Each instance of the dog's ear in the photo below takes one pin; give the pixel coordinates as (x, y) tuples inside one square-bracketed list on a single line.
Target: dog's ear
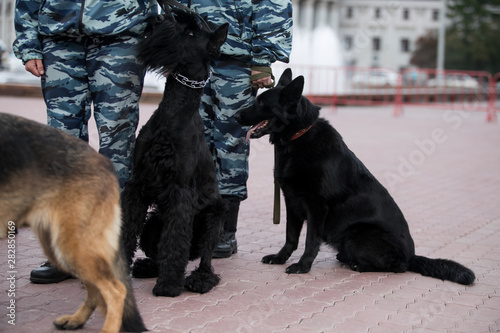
[(158, 49), (292, 93), (218, 38), (285, 78)]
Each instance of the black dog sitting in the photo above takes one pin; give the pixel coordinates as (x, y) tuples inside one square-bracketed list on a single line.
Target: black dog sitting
[(174, 174), (326, 184)]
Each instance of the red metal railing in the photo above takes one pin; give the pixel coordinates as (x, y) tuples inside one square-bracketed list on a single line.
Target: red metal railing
[(452, 89)]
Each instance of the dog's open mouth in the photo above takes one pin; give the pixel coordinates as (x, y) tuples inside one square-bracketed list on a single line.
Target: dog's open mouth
[(258, 130)]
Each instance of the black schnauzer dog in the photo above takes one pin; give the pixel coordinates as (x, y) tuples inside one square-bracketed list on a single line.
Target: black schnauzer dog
[(172, 199)]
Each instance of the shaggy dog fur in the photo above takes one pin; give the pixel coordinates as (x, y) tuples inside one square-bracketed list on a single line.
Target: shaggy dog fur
[(173, 189), (325, 184), (68, 193)]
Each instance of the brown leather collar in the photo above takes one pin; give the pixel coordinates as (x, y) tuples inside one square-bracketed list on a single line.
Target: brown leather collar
[(300, 133)]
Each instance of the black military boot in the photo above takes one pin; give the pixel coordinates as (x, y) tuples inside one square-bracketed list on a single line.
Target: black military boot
[(48, 273), (227, 244)]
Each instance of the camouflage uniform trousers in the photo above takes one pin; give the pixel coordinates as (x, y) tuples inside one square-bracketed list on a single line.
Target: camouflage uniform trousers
[(228, 91), (103, 71)]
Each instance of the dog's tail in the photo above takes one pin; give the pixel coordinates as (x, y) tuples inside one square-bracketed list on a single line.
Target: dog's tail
[(442, 269), (131, 319)]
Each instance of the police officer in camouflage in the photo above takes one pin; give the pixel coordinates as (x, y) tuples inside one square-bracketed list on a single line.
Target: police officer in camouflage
[(84, 52), (260, 33)]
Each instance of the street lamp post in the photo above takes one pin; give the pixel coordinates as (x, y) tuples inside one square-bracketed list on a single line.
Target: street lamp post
[(441, 37)]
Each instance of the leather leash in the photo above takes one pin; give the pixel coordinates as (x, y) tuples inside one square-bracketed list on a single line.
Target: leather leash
[(277, 199)]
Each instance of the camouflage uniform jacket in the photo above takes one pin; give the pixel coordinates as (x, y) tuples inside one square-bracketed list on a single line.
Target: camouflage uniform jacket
[(260, 31), (37, 18)]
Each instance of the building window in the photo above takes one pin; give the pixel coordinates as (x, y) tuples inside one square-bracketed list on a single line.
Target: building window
[(405, 45), (349, 13), (377, 12), (435, 14), (347, 43), (376, 44), (406, 14)]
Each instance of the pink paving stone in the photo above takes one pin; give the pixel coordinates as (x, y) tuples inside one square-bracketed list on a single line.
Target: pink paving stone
[(425, 309), (452, 211), (405, 319), (310, 306), (224, 325), (454, 311), (293, 329), (185, 307), (285, 317), (329, 296), (470, 325), (373, 314), (222, 308), (437, 323), (470, 300), (386, 328), (485, 314), (319, 322), (186, 323), (350, 325)]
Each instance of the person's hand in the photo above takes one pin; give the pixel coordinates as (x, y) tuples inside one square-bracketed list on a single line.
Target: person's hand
[(263, 82), (35, 67)]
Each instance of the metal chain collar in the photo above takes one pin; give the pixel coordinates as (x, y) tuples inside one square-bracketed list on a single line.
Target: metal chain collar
[(188, 82)]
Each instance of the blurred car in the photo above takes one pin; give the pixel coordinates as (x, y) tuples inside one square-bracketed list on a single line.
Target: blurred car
[(454, 81), (376, 78), (414, 77)]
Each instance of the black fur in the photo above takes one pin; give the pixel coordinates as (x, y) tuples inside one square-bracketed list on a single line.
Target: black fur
[(325, 184), (174, 174)]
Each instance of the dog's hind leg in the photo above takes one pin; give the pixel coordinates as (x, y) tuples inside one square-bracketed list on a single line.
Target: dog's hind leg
[(367, 248), (80, 317), (203, 278), (113, 293), (93, 266), (134, 215)]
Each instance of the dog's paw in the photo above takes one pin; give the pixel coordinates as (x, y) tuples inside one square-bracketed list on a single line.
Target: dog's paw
[(161, 289), (273, 259), (144, 268), (342, 257), (201, 282), (68, 323), (297, 268)]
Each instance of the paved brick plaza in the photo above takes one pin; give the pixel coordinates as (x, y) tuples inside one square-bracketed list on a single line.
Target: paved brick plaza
[(443, 169)]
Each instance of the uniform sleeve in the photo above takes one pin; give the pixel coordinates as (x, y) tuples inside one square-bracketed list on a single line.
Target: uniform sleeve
[(272, 26), (27, 45)]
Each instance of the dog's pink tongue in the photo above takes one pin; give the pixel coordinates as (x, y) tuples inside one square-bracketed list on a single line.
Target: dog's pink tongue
[(251, 130)]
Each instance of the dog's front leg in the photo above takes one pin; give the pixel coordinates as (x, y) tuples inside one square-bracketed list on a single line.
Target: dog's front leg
[(315, 220), (294, 223), (175, 243), (203, 278)]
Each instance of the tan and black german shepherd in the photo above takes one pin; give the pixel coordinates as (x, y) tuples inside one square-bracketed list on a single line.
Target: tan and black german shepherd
[(69, 195)]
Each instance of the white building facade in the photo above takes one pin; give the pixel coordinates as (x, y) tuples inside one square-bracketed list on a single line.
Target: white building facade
[(363, 33), (7, 34), (366, 33)]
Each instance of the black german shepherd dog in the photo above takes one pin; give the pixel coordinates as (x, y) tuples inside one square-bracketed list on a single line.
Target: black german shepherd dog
[(324, 183), (172, 199)]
